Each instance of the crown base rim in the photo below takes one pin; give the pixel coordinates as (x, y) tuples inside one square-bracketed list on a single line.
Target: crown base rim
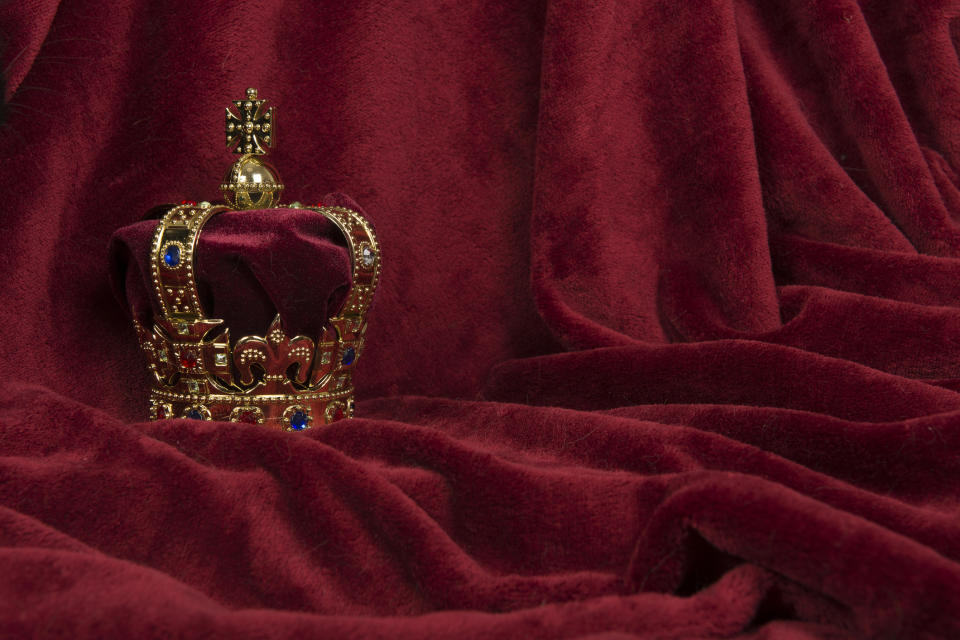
[(279, 411)]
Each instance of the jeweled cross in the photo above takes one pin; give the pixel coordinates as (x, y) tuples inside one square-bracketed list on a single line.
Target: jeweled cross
[(251, 131)]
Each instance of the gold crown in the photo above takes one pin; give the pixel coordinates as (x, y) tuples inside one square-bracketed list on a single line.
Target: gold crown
[(278, 380)]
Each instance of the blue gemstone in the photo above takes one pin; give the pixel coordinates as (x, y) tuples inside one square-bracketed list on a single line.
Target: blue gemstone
[(194, 414), (299, 421), (172, 256), (348, 357)]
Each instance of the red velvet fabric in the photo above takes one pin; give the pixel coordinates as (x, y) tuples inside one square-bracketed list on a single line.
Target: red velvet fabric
[(667, 343), (250, 265)]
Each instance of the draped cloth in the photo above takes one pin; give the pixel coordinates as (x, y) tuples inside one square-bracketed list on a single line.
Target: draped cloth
[(666, 345)]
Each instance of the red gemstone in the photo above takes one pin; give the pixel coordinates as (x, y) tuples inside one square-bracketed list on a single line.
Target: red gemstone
[(250, 417), (161, 412), (192, 203), (338, 414), (188, 359)]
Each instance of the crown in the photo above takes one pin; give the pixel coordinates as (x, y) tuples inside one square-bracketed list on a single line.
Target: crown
[(283, 381)]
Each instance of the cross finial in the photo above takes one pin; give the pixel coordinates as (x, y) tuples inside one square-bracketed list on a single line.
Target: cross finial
[(251, 183), (252, 131)]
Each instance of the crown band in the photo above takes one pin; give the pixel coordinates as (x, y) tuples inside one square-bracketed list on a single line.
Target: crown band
[(174, 244), (198, 373)]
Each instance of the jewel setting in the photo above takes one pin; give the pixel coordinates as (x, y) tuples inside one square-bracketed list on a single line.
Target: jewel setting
[(172, 254), (349, 355), (367, 256), (297, 418), (188, 359), (247, 415), (197, 412)]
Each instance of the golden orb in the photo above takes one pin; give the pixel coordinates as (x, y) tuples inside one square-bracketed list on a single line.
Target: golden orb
[(251, 183)]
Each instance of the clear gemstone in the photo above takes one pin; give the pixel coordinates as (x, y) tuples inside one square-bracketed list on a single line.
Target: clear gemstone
[(367, 257), (183, 329), (193, 386), (162, 356), (220, 359)]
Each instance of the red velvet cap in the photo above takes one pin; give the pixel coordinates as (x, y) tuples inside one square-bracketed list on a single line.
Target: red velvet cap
[(250, 266)]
